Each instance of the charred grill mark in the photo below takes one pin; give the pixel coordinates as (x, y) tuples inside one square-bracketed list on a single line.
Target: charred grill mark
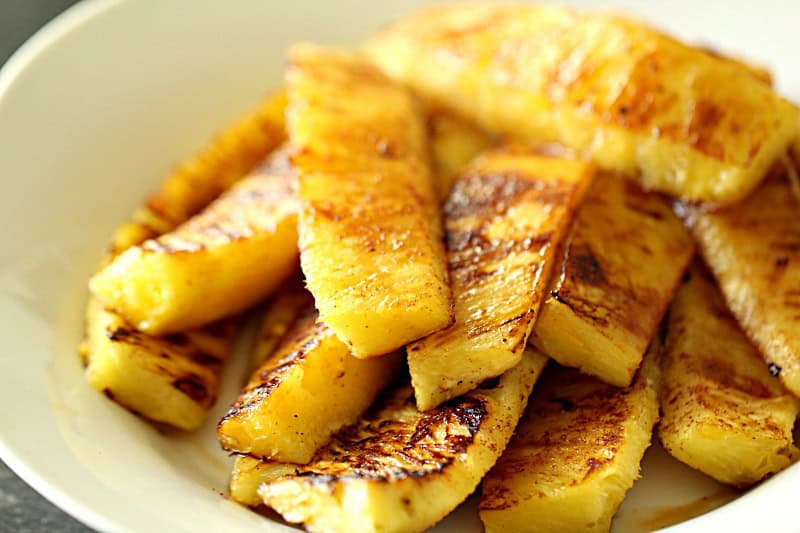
[(192, 386), (492, 194), (724, 373), (583, 264), (302, 338), (206, 359), (177, 339), (394, 441)]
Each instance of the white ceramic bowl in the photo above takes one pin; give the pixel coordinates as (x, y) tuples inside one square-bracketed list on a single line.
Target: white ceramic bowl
[(93, 111)]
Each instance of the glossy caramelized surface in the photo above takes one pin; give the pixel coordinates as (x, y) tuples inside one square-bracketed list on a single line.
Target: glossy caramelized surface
[(226, 258), (575, 453), (634, 100), (174, 379), (753, 249), (504, 219), (724, 414), (370, 232), (306, 390), (399, 469), (621, 265)]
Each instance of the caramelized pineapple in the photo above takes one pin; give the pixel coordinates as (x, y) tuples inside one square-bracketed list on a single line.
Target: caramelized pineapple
[(399, 469), (633, 100), (308, 389), (220, 262), (753, 249), (283, 312), (455, 141), (622, 263), (370, 235), (250, 473), (174, 379), (575, 453), (724, 414), (505, 219)]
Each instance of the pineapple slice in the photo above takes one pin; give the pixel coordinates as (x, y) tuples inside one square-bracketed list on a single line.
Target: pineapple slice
[(723, 413), (219, 263), (455, 141), (174, 379), (623, 262), (370, 234), (250, 473), (633, 100), (308, 389), (575, 453), (233, 154), (399, 469), (505, 219), (283, 312), (753, 250)]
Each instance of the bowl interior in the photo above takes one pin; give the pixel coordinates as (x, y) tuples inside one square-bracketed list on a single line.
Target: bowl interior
[(93, 112)]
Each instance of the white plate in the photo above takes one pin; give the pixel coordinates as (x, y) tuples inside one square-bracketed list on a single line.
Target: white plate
[(93, 111)]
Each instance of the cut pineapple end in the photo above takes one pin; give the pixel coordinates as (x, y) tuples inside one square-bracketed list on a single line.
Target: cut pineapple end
[(310, 388), (724, 414), (398, 469), (170, 380), (575, 453), (505, 218)]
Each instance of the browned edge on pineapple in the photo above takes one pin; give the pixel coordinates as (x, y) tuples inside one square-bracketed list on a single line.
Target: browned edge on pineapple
[(174, 379), (504, 221), (753, 250), (632, 99), (622, 263), (308, 389), (399, 469), (575, 453), (723, 413), (281, 314), (223, 260), (370, 228)]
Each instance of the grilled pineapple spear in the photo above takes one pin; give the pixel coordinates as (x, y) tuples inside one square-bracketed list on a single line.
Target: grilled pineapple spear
[(505, 218), (309, 388), (633, 100), (622, 263), (753, 249), (174, 379), (398, 469), (575, 453), (723, 412), (370, 234), (220, 262)]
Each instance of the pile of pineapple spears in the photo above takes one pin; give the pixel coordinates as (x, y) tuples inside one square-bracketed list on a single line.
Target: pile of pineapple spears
[(504, 202)]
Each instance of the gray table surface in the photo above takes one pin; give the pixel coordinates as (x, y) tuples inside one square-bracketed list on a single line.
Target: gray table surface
[(22, 510)]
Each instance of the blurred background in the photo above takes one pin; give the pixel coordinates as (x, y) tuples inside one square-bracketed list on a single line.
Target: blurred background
[(22, 510)]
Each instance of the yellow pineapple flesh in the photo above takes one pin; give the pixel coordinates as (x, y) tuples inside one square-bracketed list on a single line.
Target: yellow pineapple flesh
[(632, 99), (753, 249), (575, 453), (174, 379), (398, 469), (723, 413), (309, 388), (223, 260), (504, 220), (623, 261), (455, 141), (370, 232)]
